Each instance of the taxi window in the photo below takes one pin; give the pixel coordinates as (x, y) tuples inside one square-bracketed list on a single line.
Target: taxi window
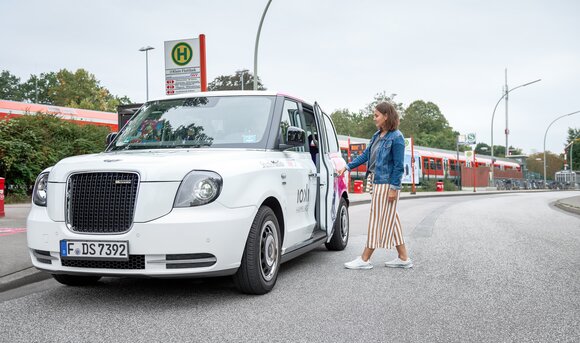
[(291, 116), (331, 135)]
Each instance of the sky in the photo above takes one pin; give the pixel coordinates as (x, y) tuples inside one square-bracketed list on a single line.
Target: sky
[(337, 52)]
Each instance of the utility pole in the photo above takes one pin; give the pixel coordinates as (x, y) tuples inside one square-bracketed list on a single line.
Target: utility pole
[(507, 130)]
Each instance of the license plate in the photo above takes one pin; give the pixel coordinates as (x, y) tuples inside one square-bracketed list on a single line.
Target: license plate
[(98, 250)]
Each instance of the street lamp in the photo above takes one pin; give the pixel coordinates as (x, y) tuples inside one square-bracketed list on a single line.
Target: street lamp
[(256, 48), (545, 134), (146, 49), (241, 72), (493, 116), (571, 145)]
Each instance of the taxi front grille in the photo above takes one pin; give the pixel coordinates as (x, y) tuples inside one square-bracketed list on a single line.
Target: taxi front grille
[(101, 202), (134, 262)]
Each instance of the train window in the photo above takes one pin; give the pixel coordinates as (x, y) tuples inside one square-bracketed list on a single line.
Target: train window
[(439, 165), (425, 163), (432, 164)]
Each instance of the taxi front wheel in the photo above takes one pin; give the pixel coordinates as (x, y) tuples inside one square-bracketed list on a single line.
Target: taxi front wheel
[(261, 260), (76, 280)]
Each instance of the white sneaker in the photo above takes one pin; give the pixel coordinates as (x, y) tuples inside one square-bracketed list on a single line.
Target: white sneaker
[(358, 263), (398, 263)]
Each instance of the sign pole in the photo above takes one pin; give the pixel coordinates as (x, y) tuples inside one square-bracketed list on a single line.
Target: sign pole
[(474, 169), (412, 167), (202, 65)]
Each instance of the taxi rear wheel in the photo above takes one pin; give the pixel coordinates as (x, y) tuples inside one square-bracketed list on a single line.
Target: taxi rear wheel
[(76, 280), (340, 235), (261, 260)]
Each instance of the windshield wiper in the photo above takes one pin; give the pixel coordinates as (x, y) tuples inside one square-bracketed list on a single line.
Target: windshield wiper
[(157, 145), (194, 144)]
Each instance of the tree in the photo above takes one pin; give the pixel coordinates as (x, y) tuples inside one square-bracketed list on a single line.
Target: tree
[(361, 123), (483, 149), (39, 89), (514, 151), (79, 89), (554, 163), (428, 126), (10, 87), (342, 120), (498, 151), (364, 121), (574, 136), (234, 82)]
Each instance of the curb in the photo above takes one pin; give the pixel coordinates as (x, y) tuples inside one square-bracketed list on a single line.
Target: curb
[(445, 194), (567, 207), (21, 278)]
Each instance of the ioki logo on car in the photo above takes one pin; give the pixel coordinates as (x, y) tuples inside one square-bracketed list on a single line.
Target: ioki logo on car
[(190, 195)]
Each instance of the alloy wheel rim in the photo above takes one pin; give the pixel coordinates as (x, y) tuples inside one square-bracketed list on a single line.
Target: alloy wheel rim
[(268, 250), (343, 224)]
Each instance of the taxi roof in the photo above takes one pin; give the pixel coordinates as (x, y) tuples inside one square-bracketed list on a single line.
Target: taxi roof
[(224, 93)]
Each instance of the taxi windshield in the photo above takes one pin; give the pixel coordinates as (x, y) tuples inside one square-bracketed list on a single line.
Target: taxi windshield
[(216, 121)]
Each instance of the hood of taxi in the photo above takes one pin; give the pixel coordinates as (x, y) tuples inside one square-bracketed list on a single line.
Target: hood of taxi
[(152, 165)]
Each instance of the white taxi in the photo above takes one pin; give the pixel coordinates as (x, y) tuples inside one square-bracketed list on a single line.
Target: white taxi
[(199, 185)]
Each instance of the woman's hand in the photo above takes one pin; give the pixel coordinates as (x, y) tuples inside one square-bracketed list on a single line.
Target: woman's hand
[(341, 171), (392, 195)]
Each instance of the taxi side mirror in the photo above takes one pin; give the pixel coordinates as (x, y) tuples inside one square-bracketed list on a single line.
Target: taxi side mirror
[(295, 136), (110, 137)]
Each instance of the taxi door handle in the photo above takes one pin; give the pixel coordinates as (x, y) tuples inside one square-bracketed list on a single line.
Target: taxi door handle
[(313, 175)]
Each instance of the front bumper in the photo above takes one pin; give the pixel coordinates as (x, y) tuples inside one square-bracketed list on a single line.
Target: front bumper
[(185, 233)]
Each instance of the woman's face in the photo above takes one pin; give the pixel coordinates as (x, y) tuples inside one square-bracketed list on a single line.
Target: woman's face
[(380, 120)]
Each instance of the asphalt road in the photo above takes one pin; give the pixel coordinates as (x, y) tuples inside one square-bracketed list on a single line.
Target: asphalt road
[(501, 268)]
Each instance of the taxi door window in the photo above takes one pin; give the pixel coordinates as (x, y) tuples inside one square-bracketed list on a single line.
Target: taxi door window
[(291, 116), (311, 132), (330, 133)]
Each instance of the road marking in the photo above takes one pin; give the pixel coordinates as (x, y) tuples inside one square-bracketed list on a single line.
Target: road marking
[(11, 231)]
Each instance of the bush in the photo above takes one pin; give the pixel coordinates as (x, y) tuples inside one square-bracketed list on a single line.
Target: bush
[(16, 198), (31, 143), (431, 186)]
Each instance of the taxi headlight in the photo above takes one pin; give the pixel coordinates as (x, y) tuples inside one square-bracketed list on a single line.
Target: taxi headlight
[(40, 188), (198, 188)]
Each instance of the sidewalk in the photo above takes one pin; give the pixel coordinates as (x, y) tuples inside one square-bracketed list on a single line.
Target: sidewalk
[(16, 268)]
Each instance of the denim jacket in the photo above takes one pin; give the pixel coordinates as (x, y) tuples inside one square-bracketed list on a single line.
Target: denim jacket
[(390, 158)]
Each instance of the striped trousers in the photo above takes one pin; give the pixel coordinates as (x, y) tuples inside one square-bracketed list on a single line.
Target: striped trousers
[(384, 225)]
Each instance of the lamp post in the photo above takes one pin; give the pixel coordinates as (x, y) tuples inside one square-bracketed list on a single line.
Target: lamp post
[(545, 134), (241, 73), (571, 145), (256, 48), (493, 116), (146, 49)]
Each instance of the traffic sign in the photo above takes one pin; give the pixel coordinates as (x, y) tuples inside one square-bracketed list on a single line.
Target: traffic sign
[(185, 66), (470, 138)]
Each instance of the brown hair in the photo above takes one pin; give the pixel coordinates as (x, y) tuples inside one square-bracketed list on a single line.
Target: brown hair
[(388, 110)]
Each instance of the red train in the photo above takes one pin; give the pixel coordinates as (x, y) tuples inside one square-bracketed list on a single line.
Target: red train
[(431, 162), (10, 109)]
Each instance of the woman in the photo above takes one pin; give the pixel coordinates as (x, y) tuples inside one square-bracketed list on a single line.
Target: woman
[(384, 156)]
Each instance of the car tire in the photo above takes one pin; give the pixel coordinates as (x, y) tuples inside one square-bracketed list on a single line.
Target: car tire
[(261, 260), (340, 230), (76, 280)]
